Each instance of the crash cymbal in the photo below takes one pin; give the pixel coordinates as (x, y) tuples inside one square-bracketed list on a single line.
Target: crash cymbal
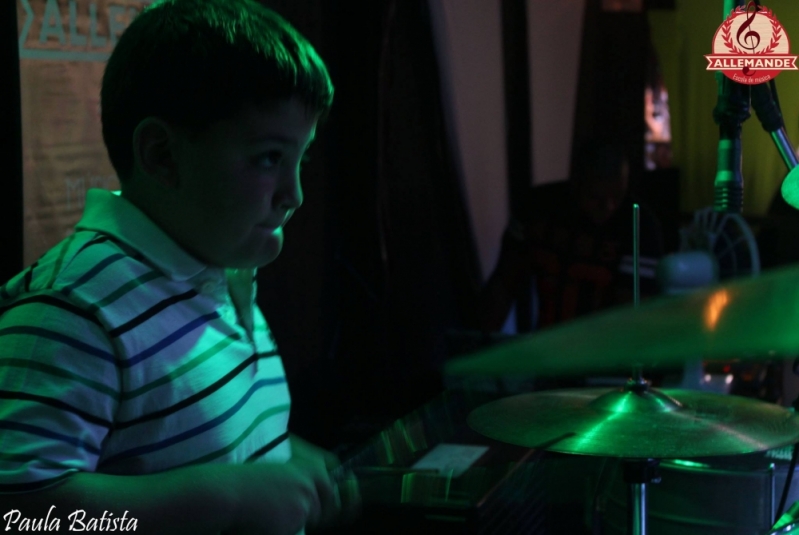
[(659, 424), (752, 318)]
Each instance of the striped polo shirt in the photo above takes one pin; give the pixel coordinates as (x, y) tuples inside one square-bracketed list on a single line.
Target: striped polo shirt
[(121, 353)]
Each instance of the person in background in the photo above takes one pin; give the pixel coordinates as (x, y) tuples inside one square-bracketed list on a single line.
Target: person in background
[(139, 380), (575, 240)]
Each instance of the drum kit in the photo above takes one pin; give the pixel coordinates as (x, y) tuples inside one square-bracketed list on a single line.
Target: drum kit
[(753, 319), (638, 424)]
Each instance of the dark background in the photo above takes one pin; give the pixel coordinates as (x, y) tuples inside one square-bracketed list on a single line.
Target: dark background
[(380, 262)]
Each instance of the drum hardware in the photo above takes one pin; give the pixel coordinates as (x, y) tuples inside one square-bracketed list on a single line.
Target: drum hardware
[(638, 424), (638, 474), (788, 480), (790, 529), (794, 510), (604, 480), (788, 524), (729, 495), (755, 318), (501, 493)]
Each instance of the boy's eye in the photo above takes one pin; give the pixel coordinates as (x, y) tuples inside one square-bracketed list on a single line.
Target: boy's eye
[(271, 159)]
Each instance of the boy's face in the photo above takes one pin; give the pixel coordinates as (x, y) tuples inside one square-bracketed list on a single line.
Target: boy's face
[(239, 183)]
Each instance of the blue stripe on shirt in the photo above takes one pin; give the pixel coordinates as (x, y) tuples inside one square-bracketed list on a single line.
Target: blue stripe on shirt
[(58, 337), (186, 435), (172, 338), (89, 275), (39, 431)]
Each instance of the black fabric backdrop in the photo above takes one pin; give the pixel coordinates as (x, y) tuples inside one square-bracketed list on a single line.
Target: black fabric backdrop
[(380, 263), (11, 146)]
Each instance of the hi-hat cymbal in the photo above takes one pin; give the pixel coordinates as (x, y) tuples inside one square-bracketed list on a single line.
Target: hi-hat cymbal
[(659, 424), (752, 318)]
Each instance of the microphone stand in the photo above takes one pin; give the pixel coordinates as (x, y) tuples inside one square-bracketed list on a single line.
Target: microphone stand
[(732, 109), (730, 112)]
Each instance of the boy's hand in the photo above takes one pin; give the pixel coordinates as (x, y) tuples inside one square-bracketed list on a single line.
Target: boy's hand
[(283, 499), (343, 502), (278, 499), (303, 450)]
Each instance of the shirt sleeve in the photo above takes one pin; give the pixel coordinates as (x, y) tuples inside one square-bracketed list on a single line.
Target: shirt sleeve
[(59, 391)]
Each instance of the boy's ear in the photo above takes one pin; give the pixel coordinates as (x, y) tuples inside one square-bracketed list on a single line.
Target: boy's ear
[(154, 143)]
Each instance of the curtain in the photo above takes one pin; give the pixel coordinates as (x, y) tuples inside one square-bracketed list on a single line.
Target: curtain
[(11, 249), (379, 264)]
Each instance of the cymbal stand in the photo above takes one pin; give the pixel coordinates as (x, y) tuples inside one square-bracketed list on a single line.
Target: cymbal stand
[(639, 473), (637, 373)]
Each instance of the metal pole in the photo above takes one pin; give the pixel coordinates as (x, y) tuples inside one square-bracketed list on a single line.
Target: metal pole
[(636, 254), (637, 371), (636, 512)]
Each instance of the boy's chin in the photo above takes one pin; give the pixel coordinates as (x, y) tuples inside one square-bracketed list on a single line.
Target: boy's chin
[(250, 261), (261, 259)]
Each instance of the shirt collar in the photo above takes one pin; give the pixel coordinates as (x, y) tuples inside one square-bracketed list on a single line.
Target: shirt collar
[(110, 213)]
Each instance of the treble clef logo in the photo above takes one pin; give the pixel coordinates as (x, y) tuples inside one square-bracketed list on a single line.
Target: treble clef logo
[(751, 34)]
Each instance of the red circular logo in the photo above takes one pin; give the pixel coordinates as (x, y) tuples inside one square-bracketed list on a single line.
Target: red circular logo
[(751, 46)]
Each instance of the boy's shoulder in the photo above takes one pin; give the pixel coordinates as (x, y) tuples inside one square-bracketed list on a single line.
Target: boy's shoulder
[(82, 267)]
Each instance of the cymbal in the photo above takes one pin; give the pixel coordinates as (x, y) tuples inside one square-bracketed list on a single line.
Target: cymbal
[(658, 424), (751, 318)]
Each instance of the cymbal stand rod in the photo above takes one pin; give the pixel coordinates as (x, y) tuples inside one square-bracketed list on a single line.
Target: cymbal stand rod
[(636, 516), (636, 254), (637, 373), (638, 474)]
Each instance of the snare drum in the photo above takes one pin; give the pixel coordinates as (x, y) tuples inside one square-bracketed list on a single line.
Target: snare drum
[(726, 495)]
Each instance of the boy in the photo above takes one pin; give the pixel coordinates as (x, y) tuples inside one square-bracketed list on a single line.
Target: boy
[(138, 378)]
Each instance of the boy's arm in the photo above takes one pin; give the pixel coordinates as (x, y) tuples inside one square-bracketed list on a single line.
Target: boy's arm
[(58, 380)]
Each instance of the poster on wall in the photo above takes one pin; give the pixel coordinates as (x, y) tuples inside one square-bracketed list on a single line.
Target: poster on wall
[(63, 47)]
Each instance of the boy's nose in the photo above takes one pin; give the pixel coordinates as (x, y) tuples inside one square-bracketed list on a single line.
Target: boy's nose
[(289, 194)]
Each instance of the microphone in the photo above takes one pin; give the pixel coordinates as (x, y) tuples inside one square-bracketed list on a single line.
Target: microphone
[(732, 109)]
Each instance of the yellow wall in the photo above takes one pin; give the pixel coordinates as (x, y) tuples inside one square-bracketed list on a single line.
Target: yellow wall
[(682, 37)]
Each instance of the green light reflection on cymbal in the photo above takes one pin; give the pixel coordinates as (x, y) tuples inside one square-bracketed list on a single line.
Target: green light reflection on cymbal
[(689, 464), (621, 406)]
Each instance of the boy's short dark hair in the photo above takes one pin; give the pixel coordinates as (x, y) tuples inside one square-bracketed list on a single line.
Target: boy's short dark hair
[(195, 62)]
